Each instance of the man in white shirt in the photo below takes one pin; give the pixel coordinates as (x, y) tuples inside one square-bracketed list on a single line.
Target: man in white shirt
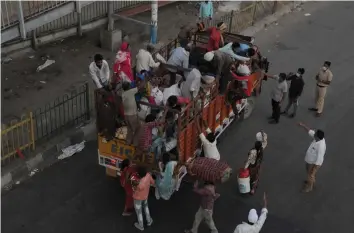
[(190, 87), (255, 223), (278, 94), (170, 91), (144, 60), (208, 142), (314, 156), (99, 71)]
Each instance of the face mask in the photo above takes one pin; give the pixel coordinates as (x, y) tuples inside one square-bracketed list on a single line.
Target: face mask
[(324, 68)]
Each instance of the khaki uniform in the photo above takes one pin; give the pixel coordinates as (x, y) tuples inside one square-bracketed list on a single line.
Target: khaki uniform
[(311, 170), (321, 88)]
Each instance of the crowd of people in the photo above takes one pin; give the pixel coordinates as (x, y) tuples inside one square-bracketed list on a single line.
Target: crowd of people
[(149, 98)]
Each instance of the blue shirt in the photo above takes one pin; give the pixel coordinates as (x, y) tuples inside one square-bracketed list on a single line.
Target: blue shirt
[(228, 50), (206, 10), (179, 57), (243, 48)]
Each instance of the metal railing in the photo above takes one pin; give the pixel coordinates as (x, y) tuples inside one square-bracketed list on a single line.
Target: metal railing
[(16, 138), (63, 113), (10, 10), (11, 15)]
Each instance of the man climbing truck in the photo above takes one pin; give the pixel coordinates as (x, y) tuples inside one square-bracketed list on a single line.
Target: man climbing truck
[(175, 132)]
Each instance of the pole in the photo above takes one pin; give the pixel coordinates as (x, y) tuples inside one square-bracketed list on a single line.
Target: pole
[(21, 21), (110, 16), (79, 20), (153, 32)]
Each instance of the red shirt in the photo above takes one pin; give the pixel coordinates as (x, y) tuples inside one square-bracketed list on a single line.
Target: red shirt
[(145, 139), (214, 39)]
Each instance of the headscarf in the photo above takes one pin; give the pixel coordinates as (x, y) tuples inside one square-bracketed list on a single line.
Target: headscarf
[(252, 216), (122, 66), (222, 27)]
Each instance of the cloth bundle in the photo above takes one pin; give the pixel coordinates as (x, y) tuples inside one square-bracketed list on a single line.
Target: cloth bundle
[(210, 170)]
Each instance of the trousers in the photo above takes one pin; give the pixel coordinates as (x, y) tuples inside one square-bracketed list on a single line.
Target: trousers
[(207, 216), (275, 110), (311, 170), (133, 124), (292, 101), (320, 97), (138, 206)]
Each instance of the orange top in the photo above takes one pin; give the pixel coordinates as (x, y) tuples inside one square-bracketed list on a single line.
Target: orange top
[(142, 191)]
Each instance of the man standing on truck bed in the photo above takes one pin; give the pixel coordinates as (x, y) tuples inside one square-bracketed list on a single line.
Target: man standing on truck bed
[(179, 57), (223, 63), (130, 112)]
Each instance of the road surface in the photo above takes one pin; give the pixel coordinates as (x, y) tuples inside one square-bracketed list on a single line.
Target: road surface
[(75, 196)]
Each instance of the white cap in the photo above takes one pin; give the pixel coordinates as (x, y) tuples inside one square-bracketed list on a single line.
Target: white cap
[(209, 56), (259, 137), (252, 216)]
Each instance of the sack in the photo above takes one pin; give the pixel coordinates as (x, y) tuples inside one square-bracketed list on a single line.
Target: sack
[(210, 170)]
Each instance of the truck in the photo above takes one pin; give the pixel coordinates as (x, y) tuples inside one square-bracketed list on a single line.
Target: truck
[(212, 109)]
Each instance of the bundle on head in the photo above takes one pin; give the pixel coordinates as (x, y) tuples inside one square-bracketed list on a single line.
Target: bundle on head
[(210, 170)]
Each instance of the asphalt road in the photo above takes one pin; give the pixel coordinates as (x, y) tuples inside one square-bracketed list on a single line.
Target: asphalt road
[(75, 196)]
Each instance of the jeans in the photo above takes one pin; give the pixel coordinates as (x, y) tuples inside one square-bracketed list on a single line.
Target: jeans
[(292, 101), (156, 147), (138, 205), (207, 216), (276, 110)]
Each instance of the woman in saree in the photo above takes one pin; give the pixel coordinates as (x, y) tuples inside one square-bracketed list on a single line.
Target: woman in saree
[(255, 157), (166, 182), (127, 170), (122, 66)]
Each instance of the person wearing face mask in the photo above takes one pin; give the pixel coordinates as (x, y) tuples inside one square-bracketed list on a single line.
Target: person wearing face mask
[(295, 90), (314, 156), (278, 95), (324, 79), (99, 71)]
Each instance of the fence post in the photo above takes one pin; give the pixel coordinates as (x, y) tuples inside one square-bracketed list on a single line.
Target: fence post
[(87, 93), (21, 20), (79, 19), (275, 5), (32, 131), (254, 12), (34, 40), (231, 19), (110, 16)]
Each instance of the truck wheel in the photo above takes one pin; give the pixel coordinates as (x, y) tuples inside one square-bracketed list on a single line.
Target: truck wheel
[(248, 109)]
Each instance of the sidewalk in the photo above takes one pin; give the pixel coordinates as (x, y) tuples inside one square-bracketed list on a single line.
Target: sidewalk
[(24, 89)]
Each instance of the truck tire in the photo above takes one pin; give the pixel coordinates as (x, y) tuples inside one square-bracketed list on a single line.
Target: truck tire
[(248, 109)]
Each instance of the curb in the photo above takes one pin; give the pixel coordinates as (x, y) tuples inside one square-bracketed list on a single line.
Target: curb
[(46, 158), (50, 156), (270, 19)]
